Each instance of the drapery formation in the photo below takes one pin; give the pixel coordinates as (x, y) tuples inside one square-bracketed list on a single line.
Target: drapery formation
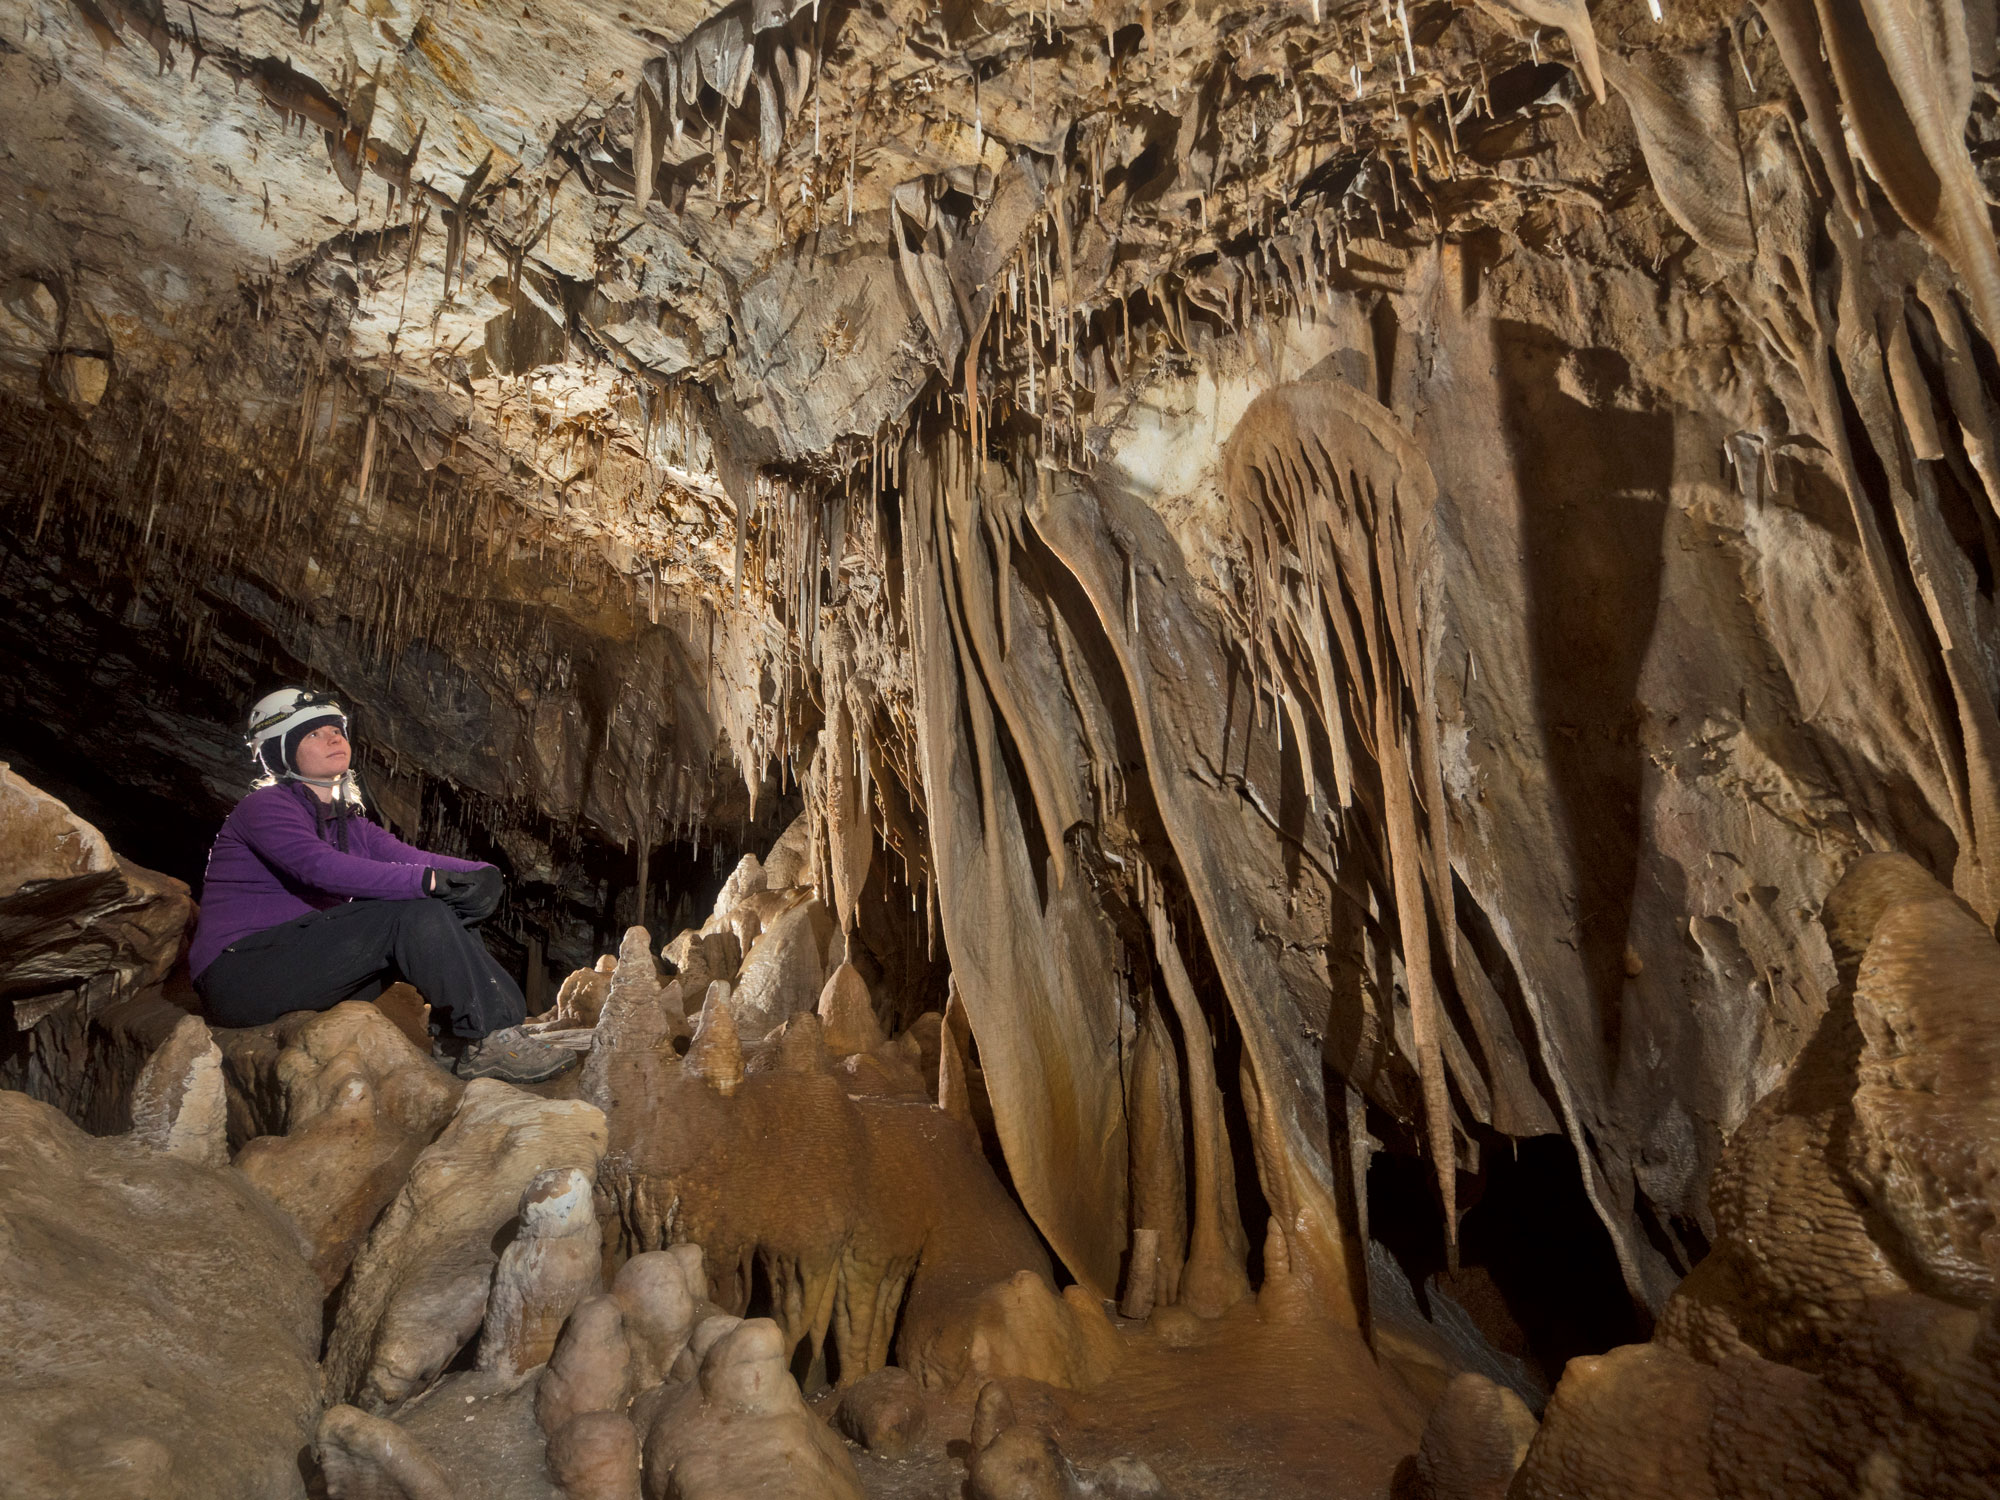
[(1143, 840), (1334, 502)]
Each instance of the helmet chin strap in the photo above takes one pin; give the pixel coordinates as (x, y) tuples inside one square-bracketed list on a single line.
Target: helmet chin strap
[(330, 783)]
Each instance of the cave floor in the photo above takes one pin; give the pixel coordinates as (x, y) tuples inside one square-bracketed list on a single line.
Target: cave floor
[(1249, 1408)]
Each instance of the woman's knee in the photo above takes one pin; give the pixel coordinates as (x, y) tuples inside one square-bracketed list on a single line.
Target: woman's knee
[(430, 917)]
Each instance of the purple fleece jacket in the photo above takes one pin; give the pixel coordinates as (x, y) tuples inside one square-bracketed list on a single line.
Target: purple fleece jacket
[(272, 864)]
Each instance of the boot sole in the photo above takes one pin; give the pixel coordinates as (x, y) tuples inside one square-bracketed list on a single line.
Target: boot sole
[(519, 1075)]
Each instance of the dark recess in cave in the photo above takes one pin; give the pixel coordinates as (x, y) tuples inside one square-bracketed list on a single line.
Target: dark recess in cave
[(1537, 1271)]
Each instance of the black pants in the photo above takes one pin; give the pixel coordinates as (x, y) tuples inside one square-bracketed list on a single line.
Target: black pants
[(353, 952)]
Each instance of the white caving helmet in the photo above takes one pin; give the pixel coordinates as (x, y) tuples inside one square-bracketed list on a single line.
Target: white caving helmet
[(280, 720)]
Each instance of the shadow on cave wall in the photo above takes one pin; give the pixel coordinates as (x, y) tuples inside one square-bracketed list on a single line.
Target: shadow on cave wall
[(1593, 482)]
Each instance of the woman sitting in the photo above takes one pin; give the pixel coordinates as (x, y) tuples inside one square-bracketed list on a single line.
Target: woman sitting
[(308, 902)]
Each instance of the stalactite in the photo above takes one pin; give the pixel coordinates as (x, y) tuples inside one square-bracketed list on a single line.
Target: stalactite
[(1212, 1278)]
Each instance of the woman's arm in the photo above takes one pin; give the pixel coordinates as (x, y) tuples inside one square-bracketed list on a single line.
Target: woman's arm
[(281, 831), (379, 843)]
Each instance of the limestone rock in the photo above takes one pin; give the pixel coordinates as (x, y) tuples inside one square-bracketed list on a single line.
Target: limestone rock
[(1021, 1327), (640, 1016), (1601, 657), (581, 999), (355, 1102), (1927, 1002), (787, 862), (419, 1288), (370, 1458), (904, 1228), (1250, 533), (595, 1456), (847, 1014), (745, 881), (1594, 1442), (82, 932), (708, 1332), (163, 1330), (653, 1293), (481, 1430), (1127, 1478), (699, 959), (178, 1104), (41, 839), (883, 1412), (1023, 1463), (743, 1429), (992, 1414), (591, 1369), (1841, 1269), (1474, 1441), (784, 970), (715, 1055)]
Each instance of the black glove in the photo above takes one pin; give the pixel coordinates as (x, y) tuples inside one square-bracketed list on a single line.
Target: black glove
[(473, 894)]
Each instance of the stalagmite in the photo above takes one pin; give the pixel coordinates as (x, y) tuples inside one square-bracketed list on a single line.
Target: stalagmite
[(551, 1265), (1142, 1275), (847, 1015), (590, 1369), (952, 1095), (715, 1055), (178, 1105), (653, 1292)]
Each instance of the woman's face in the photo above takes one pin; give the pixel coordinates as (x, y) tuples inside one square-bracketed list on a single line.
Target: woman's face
[(325, 752)]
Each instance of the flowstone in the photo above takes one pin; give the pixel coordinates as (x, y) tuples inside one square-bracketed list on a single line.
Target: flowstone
[(163, 1325), (419, 1289)]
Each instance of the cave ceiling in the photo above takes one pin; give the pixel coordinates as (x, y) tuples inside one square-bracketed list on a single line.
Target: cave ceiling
[(1424, 534)]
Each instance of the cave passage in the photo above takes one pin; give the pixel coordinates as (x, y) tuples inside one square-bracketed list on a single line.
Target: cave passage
[(1014, 750)]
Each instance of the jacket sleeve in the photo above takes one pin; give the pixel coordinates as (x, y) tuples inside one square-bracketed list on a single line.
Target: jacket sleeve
[(281, 832), (384, 845)]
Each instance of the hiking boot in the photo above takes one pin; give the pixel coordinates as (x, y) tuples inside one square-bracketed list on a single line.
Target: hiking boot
[(512, 1056)]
